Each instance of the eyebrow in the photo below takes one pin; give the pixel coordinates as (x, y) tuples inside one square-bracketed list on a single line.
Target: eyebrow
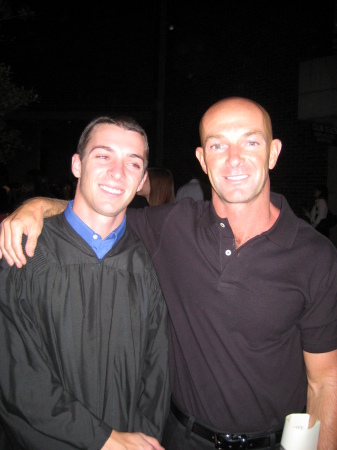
[(254, 133), (244, 135), (109, 149), (213, 136)]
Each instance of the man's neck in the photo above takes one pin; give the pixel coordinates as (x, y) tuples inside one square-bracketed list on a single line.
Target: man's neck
[(248, 220), (103, 225)]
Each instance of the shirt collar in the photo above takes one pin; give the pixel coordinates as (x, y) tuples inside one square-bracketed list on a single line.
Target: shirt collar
[(99, 245), (282, 233)]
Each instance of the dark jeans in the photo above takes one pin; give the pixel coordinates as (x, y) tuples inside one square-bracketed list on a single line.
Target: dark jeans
[(178, 437)]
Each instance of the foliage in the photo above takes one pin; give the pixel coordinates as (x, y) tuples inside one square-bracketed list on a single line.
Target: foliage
[(12, 98), (24, 12)]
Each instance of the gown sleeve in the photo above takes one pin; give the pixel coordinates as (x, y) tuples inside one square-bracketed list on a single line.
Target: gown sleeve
[(154, 399)]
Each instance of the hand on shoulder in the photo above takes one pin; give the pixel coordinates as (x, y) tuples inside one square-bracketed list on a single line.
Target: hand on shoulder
[(28, 220)]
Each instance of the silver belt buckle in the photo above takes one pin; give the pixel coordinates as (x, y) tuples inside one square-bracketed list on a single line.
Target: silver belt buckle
[(231, 441)]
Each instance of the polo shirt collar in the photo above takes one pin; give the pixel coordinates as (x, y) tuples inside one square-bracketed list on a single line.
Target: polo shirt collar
[(282, 233)]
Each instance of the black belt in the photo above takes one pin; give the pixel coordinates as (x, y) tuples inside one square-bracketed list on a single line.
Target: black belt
[(228, 441)]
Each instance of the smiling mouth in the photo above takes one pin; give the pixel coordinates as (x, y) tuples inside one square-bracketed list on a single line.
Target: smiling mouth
[(111, 190), (236, 177)]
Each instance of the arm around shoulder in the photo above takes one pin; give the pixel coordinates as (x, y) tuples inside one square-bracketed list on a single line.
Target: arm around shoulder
[(28, 220)]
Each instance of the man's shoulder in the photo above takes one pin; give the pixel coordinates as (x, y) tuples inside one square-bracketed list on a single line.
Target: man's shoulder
[(45, 247), (293, 232), (133, 255), (133, 246), (53, 227), (177, 212), (311, 237), (58, 243), (313, 245)]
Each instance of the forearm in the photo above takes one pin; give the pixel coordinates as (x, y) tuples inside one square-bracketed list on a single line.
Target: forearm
[(322, 405), (49, 206)]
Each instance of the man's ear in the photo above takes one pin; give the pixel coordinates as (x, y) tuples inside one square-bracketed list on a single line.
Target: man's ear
[(76, 165), (275, 150), (199, 153), (142, 182)]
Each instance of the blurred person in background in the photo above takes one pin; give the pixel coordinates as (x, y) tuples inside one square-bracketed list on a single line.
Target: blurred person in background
[(195, 189), (158, 189), (319, 212)]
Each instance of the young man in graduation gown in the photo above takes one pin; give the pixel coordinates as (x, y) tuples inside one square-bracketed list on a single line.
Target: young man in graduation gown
[(83, 327)]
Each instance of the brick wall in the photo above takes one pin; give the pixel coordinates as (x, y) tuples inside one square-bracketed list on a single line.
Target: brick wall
[(252, 49)]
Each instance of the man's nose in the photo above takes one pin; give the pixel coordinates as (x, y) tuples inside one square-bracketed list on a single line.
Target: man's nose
[(116, 169), (234, 156)]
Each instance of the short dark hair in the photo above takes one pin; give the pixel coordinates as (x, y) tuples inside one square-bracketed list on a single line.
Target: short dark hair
[(323, 190), (125, 122)]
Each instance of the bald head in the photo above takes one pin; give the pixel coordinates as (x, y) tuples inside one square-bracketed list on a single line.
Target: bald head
[(237, 152), (229, 109)]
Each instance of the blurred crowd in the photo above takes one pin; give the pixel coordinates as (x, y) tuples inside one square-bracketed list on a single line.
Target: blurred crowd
[(157, 190), (35, 184)]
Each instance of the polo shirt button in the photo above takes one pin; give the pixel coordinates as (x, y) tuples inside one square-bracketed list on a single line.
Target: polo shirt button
[(222, 225), (228, 252), (95, 236)]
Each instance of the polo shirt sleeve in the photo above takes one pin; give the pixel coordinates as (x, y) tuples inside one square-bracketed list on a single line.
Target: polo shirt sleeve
[(148, 224), (318, 323)]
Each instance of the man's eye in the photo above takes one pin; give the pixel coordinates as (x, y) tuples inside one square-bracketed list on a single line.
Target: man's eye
[(135, 165), (216, 147), (252, 144), (102, 156)]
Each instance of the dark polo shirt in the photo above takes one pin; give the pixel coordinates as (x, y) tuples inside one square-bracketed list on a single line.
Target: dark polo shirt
[(240, 319)]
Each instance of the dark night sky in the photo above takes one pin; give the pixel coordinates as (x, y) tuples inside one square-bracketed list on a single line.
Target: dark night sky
[(106, 54), (83, 53), (75, 52)]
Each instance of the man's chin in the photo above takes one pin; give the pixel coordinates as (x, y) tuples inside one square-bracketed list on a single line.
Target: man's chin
[(237, 197), (111, 210)]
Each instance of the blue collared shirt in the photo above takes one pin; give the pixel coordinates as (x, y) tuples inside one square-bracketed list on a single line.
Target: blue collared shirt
[(100, 246)]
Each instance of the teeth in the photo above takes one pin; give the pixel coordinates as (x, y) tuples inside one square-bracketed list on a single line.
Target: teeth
[(237, 177), (111, 190)]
